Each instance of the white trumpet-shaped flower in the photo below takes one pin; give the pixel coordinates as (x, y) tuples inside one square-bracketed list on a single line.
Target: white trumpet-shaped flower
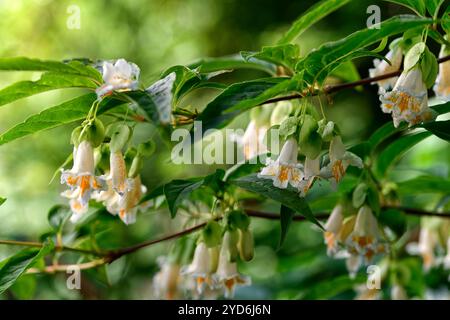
[(395, 56), (340, 159), (200, 268), (227, 275), (127, 205), (333, 228), (285, 170), (120, 76), (81, 180), (442, 86), (365, 239), (166, 282), (408, 101)]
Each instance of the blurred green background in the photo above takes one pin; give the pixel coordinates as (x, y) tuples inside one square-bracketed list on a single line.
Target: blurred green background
[(156, 34)]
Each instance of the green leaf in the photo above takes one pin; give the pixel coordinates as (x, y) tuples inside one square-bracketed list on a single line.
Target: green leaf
[(2, 200), (73, 67), (414, 54), (65, 113), (288, 197), (286, 215), (329, 288), (18, 264), (286, 55), (209, 65), (418, 6), (311, 16), (347, 72), (446, 20), (424, 184), (439, 128), (47, 82), (240, 97), (178, 190), (319, 61), (395, 150), (58, 215), (24, 288), (433, 6)]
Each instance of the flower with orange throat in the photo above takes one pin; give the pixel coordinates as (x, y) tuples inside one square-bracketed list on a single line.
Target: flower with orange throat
[(340, 159), (285, 170), (365, 239), (200, 268), (333, 228), (81, 180), (408, 101), (227, 275)]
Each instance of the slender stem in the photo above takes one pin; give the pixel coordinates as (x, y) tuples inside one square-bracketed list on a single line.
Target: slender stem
[(419, 212), (334, 88), (66, 267), (57, 248)]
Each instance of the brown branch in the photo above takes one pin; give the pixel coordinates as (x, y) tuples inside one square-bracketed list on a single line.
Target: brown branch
[(334, 88), (419, 212)]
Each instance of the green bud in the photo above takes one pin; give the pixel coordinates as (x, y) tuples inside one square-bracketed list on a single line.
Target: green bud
[(75, 138), (230, 241), (414, 55), (288, 126), (246, 245), (310, 141), (136, 166), (212, 234), (96, 133), (146, 149), (120, 135)]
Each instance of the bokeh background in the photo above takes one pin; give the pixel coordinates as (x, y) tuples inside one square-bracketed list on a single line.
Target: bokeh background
[(156, 34)]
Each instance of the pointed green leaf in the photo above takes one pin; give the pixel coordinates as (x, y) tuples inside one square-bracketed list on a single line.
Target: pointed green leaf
[(311, 16), (18, 264), (286, 215)]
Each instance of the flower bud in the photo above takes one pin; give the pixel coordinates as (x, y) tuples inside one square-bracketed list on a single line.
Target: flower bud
[(246, 245), (96, 133), (120, 135), (136, 167), (229, 243)]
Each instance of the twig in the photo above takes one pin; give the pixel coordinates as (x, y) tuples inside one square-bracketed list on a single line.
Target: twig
[(66, 267), (57, 248), (419, 212)]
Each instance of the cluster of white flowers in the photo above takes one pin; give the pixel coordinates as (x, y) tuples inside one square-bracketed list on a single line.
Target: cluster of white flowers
[(212, 273), (117, 190), (355, 237), (286, 170)]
